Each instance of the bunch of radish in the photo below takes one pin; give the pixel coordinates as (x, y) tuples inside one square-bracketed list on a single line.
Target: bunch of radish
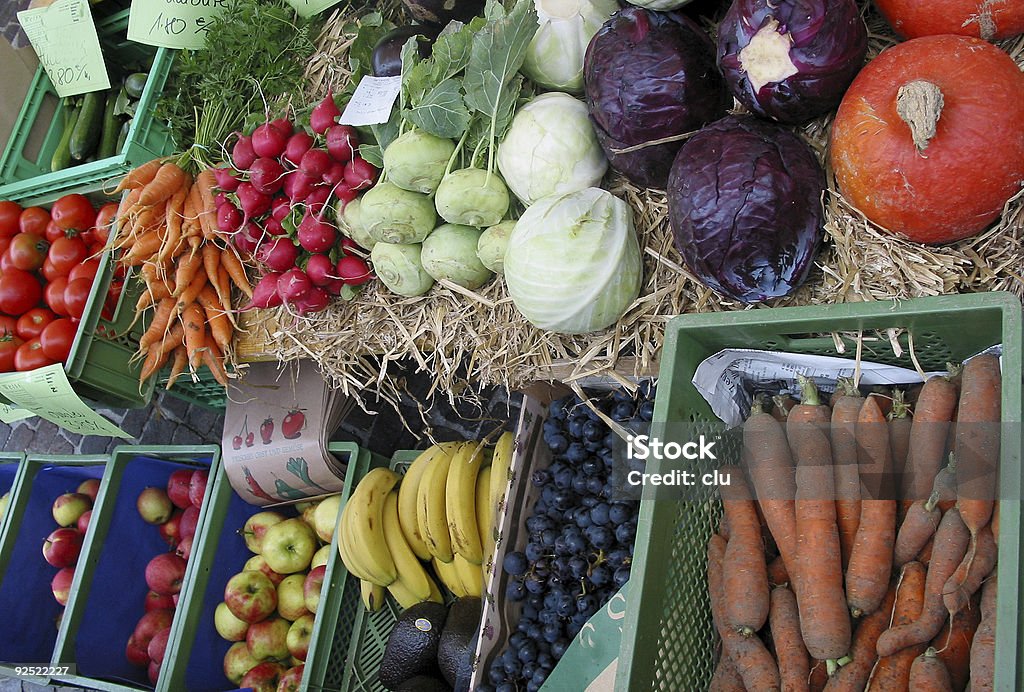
[(278, 203)]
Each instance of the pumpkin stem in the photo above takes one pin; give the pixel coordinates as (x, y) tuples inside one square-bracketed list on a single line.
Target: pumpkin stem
[(919, 105)]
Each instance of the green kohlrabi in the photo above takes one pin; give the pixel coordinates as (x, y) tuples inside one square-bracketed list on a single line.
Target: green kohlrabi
[(398, 267), (450, 253), (492, 245), (417, 161), (393, 215), (472, 197)]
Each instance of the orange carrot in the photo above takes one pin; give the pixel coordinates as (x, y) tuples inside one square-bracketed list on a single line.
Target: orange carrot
[(954, 642), (867, 577), (166, 181), (229, 261), (900, 423), (178, 365), (824, 620), (744, 570), (191, 294), (755, 665), (215, 362), (928, 431), (126, 203), (928, 673), (777, 575), (951, 541), (967, 578), (794, 662), (173, 222), (853, 676), (976, 446), (945, 485), (153, 361), (892, 672), (144, 247), (844, 458), (994, 525), (205, 182), (194, 320), (220, 327), (983, 648), (726, 678), (158, 325), (918, 526), (188, 267), (140, 176)]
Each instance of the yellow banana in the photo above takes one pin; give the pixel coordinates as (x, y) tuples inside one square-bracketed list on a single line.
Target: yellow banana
[(407, 497), (350, 559), (372, 594), (449, 576), (460, 502), (501, 466), (408, 566), (430, 506), (435, 593), (485, 515), (470, 576), (399, 589), (366, 525)]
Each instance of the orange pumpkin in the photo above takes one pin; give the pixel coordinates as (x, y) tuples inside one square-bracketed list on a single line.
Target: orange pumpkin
[(987, 19), (928, 141)]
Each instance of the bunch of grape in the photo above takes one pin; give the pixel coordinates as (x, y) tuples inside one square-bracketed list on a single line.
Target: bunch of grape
[(581, 534)]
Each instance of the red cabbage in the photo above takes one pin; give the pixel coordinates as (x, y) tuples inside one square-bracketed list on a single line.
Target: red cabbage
[(648, 76), (744, 201), (791, 60)]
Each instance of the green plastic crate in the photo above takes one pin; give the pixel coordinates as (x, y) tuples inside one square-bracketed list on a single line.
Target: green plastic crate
[(25, 176), (204, 391), (202, 456), (6, 459), (668, 640)]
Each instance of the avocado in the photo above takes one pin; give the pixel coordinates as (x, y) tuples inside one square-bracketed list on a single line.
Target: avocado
[(423, 683), (412, 645), (458, 642)]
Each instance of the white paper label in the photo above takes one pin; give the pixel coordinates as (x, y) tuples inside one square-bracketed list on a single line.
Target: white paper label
[(373, 101)]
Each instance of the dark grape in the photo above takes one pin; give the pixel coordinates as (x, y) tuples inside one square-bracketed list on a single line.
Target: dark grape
[(540, 478), (516, 563), (624, 533), (621, 576), (622, 411), (592, 466), (599, 576), (558, 648), (576, 427), (534, 551), (515, 591), (528, 652), (595, 486), (577, 453), (599, 515), (646, 411), (516, 640), (620, 513), (586, 604)]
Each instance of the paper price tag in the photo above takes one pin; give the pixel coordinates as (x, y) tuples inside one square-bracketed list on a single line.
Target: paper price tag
[(307, 8), (173, 23), (372, 102), (10, 414), (64, 37), (47, 393)]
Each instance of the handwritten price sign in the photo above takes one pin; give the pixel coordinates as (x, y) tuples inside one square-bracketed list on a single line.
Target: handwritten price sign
[(173, 23), (64, 37), (307, 8)]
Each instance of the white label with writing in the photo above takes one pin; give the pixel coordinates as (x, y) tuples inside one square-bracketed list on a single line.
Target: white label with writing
[(373, 101)]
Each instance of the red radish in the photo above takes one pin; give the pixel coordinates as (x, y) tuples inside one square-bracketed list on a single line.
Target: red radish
[(359, 174), (253, 202), (284, 125), (248, 237), (345, 194), (242, 154), (264, 293), (226, 180), (335, 287), (353, 270), (314, 301), (324, 115), (280, 207), (229, 218), (320, 270), (279, 254), (266, 175), (316, 200), (315, 235), (267, 140), (349, 244), (342, 143), (220, 200), (335, 175), (297, 185), (315, 163), (298, 144), (293, 284), (273, 227)]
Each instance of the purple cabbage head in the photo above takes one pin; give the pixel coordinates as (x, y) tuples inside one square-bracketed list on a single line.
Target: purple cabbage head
[(791, 60), (649, 76), (744, 201)]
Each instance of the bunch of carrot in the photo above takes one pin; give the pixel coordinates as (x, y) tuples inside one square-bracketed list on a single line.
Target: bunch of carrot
[(879, 570), (166, 229)]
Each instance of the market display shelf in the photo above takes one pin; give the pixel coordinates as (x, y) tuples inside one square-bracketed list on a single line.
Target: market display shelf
[(668, 639), (25, 175)]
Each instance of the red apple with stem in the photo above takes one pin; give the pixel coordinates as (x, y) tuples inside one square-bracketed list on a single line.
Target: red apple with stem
[(157, 601), (197, 487), (62, 547), (250, 596), (165, 573), (178, 487)]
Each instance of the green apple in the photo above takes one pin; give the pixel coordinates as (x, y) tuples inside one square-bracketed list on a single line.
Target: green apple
[(291, 600), (257, 563), (69, 506), (307, 514), (228, 626), (250, 596), (321, 556), (268, 639), (313, 586), (5, 500), (325, 517), (238, 661), (299, 635), (288, 547), (256, 527)]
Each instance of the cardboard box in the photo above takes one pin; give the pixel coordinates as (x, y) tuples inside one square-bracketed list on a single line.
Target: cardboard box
[(17, 67)]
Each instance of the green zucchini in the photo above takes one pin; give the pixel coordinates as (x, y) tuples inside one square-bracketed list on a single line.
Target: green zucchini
[(122, 136), (135, 84), (62, 154), (89, 127), (108, 140)]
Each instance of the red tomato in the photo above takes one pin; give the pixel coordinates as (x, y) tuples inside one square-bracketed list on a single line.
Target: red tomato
[(9, 345), (73, 211), (8, 325), (67, 253), (54, 295), (53, 231), (10, 212), (4, 244), (32, 323), (30, 356), (28, 251), (85, 270), (95, 249), (104, 220), (57, 339), (49, 271), (34, 220), (76, 295), (5, 261), (19, 292)]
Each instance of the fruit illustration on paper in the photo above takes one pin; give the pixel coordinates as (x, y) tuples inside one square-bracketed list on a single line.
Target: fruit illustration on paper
[(254, 486), (293, 423), (236, 442), (267, 430), (249, 439)]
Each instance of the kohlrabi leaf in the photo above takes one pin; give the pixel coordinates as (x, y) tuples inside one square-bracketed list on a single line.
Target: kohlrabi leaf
[(441, 111)]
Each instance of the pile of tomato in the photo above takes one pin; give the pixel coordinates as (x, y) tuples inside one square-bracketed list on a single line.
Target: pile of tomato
[(48, 263)]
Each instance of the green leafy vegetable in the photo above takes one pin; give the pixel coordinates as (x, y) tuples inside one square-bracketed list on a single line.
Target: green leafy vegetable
[(442, 111)]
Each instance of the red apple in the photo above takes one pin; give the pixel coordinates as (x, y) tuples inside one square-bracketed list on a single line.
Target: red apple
[(154, 506), (237, 662), (197, 487), (158, 645), (291, 681), (170, 530), (61, 548), (61, 584), (312, 587), (184, 549), (69, 506), (299, 635), (90, 487), (256, 526), (156, 601), (165, 572), (151, 623), (250, 596), (227, 625), (264, 677), (83, 521), (259, 564), (268, 638), (175, 599), (136, 654), (153, 672), (177, 487), (189, 522)]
